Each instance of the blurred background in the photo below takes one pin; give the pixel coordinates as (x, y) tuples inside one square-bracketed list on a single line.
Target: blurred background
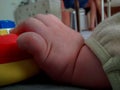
[(19, 10)]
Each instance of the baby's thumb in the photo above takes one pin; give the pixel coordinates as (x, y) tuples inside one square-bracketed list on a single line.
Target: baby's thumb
[(34, 44)]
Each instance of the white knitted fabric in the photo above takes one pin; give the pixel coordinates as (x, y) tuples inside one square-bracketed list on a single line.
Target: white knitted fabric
[(105, 43)]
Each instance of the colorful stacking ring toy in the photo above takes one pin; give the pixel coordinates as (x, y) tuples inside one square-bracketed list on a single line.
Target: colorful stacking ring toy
[(15, 65)]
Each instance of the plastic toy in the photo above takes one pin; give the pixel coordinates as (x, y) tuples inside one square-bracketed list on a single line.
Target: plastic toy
[(15, 64)]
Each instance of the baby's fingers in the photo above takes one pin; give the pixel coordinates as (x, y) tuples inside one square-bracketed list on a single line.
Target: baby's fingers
[(31, 25), (34, 44)]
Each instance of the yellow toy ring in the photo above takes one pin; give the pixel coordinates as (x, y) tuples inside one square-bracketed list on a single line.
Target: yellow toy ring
[(15, 64)]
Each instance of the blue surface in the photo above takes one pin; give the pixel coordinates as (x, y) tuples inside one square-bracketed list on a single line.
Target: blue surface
[(70, 3), (7, 24)]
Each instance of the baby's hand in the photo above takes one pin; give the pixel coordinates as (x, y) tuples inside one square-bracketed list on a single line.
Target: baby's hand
[(60, 51), (54, 46)]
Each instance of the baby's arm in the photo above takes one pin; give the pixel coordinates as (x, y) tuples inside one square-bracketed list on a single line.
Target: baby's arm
[(88, 70), (61, 52)]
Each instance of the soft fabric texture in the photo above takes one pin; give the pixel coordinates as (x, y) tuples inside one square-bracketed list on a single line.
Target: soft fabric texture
[(105, 43)]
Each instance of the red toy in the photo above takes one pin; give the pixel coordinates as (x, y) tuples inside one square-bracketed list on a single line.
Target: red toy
[(15, 64)]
